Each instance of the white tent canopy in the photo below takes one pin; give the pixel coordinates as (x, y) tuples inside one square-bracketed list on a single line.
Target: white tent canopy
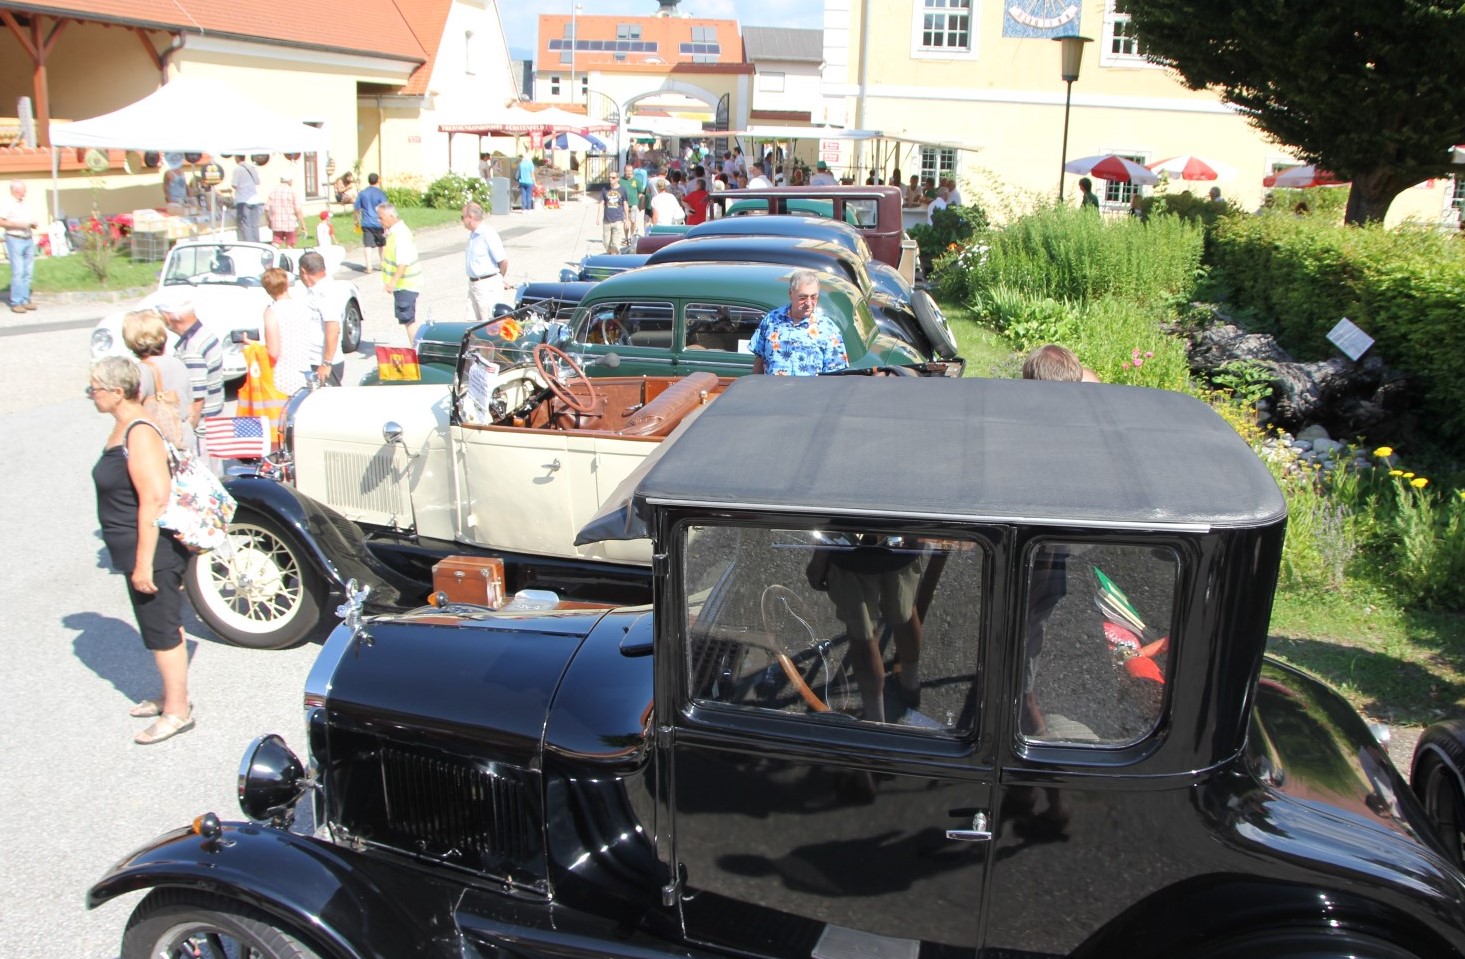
[(193, 115)]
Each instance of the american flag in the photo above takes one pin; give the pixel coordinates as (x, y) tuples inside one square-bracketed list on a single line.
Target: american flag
[(236, 437)]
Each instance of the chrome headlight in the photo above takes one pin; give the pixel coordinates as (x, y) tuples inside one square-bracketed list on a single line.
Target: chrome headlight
[(271, 779), (102, 342)]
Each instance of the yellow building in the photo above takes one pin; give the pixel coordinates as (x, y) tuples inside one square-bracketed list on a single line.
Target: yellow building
[(975, 85)]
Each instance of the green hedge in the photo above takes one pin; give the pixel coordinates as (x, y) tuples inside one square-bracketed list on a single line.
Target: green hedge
[(1405, 288)]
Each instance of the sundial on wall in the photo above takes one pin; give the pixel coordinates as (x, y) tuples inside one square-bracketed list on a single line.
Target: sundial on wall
[(1040, 18)]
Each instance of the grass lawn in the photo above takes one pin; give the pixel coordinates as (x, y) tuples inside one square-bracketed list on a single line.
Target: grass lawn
[(68, 274), (1395, 665)]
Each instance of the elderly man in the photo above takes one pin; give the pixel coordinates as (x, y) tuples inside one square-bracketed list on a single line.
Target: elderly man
[(323, 311), (284, 212), (940, 203), (799, 339), (759, 180), (201, 353), (401, 269), (486, 261), (822, 176), (20, 246), (245, 186)]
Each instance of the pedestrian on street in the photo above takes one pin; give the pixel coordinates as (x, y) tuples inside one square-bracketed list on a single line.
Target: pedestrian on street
[(325, 360), (635, 202), (486, 261), (373, 237), (20, 246), (201, 353), (798, 339), (245, 184), (615, 216), (526, 183), (283, 208), (133, 481), (401, 269)]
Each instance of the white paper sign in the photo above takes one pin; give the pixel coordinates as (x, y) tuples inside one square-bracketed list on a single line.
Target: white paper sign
[(1349, 339)]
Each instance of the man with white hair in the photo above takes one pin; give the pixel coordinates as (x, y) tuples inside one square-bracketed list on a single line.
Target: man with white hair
[(201, 353), (799, 339), (284, 211), (20, 246)]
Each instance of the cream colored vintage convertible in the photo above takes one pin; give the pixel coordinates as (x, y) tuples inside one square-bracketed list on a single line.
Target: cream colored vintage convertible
[(378, 484)]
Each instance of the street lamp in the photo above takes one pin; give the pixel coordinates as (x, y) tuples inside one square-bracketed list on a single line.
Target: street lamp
[(574, 48), (1072, 56)]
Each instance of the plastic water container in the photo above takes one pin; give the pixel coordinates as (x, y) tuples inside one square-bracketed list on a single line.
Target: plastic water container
[(531, 600)]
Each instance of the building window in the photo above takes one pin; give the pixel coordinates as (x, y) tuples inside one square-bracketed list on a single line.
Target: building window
[(584, 85), (712, 50), (937, 163), (1121, 47), (946, 25), (770, 82), (313, 186), (1119, 193), (1457, 197), (628, 31), (554, 86), (704, 34)]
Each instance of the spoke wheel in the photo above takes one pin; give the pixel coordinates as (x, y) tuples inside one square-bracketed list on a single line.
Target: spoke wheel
[(179, 924), (547, 359), (258, 591)]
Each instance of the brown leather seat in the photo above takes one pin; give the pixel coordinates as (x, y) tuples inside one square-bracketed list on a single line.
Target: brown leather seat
[(661, 415)]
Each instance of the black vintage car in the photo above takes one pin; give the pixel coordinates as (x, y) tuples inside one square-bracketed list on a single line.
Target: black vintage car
[(934, 668)]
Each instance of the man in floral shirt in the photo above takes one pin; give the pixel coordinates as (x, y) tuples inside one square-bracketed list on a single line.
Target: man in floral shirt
[(799, 339)]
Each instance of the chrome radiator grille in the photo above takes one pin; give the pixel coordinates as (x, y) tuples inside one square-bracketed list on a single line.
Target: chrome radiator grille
[(447, 807), (363, 482)]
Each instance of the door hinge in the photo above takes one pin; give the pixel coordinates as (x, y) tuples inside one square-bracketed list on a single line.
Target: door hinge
[(659, 564), (663, 736)]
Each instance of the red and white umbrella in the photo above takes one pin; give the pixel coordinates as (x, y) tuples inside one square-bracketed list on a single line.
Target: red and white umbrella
[(1114, 168), (1192, 167), (1303, 177)]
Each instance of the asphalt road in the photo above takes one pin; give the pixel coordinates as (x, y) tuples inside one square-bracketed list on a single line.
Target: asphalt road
[(77, 794)]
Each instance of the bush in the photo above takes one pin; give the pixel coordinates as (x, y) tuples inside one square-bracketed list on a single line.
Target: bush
[(1299, 276), (452, 190), (949, 227), (403, 196)]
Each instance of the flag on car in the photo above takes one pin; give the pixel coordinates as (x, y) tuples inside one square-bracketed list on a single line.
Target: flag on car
[(236, 437), (397, 363)]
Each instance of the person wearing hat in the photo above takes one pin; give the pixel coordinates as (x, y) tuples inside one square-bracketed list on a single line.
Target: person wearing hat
[(822, 176), (284, 211)]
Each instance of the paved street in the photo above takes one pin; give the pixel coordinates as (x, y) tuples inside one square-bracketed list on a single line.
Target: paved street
[(77, 793)]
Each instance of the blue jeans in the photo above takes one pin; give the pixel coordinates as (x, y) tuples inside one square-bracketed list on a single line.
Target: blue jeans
[(21, 251), (527, 195)]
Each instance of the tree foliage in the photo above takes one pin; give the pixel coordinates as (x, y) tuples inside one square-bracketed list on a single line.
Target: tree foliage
[(1366, 88)]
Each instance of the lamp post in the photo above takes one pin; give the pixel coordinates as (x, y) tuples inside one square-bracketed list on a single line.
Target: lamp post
[(574, 48), (1072, 57)]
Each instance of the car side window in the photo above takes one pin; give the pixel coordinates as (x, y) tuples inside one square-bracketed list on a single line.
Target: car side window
[(720, 326), (630, 323), (862, 213), (1096, 637), (869, 627)]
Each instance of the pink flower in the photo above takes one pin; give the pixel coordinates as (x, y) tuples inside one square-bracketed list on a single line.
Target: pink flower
[(1149, 354), (1138, 362)]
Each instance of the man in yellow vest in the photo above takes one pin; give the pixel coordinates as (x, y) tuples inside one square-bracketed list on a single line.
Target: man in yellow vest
[(401, 269)]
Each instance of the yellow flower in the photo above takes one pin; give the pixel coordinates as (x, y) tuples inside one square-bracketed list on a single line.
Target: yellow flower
[(1396, 472), (1460, 493), (1419, 482), (1408, 475), (1384, 451)]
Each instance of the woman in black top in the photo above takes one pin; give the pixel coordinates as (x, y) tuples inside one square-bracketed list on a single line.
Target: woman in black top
[(133, 482)]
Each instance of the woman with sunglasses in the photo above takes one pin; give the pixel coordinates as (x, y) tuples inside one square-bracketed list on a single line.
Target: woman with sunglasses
[(133, 482)]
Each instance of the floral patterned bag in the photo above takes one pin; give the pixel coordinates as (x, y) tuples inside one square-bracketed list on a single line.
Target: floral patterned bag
[(199, 508)]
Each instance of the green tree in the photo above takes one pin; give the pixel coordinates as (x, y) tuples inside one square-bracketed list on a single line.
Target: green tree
[(1366, 88)]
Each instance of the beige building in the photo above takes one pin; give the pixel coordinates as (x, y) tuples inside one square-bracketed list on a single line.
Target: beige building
[(975, 86), (377, 76)]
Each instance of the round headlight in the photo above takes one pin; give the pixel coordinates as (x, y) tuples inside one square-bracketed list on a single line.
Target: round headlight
[(271, 778), (101, 342)]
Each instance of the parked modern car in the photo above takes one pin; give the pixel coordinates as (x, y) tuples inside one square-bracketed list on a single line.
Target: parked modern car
[(223, 281), (966, 668), (678, 318), (380, 485)]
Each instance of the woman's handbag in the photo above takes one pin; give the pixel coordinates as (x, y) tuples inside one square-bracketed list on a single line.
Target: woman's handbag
[(259, 396), (163, 408), (199, 508)]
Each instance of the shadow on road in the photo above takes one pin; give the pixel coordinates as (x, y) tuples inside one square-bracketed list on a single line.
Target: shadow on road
[(113, 650)]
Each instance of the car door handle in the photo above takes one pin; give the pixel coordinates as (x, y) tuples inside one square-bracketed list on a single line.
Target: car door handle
[(552, 467), (978, 832)]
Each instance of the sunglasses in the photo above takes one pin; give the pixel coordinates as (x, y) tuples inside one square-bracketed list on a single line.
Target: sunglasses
[(94, 390)]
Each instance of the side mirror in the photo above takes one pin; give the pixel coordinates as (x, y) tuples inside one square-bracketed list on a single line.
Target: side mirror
[(568, 275), (610, 360)]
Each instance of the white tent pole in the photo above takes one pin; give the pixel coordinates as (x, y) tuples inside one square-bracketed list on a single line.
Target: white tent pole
[(55, 183)]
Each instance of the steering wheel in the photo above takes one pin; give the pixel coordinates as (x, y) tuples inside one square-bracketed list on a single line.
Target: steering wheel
[(782, 607), (546, 357), (609, 331)]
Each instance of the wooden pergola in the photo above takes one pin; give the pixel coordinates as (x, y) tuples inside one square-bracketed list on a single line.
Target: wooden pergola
[(37, 35)]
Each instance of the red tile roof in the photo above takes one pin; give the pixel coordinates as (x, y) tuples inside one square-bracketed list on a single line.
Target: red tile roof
[(668, 33)]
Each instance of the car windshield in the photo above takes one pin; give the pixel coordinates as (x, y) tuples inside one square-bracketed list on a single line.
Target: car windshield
[(220, 263)]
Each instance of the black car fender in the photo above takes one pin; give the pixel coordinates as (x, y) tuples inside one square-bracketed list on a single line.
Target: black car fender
[(347, 906), (333, 545)]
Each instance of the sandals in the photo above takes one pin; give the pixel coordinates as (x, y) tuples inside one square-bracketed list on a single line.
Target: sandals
[(164, 727), (146, 709)]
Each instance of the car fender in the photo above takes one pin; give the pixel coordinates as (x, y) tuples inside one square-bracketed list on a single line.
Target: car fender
[(352, 907), (333, 545)]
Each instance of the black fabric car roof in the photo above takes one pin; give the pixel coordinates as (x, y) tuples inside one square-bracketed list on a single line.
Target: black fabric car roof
[(980, 450)]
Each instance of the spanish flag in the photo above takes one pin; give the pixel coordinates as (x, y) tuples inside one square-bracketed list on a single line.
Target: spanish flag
[(397, 363)]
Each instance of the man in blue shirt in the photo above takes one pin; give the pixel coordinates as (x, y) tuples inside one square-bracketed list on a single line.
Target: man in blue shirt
[(373, 236), (799, 339), (526, 183)]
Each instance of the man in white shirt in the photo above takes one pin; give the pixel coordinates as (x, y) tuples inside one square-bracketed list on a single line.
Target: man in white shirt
[(486, 261), (940, 203), (822, 176), (759, 181), (953, 193), (666, 209)]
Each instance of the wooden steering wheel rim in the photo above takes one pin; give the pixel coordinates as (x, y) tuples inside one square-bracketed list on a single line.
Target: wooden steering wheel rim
[(561, 390)]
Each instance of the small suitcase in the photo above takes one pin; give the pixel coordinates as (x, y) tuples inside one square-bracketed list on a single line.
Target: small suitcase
[(475, 580)]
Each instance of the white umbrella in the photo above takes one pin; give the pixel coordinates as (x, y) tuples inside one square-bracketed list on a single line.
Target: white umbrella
[(1117, 169), (1192, 167), (1303, 177)]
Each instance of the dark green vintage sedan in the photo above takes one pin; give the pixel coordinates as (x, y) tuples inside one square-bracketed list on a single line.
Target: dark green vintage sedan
[(679, 318)]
